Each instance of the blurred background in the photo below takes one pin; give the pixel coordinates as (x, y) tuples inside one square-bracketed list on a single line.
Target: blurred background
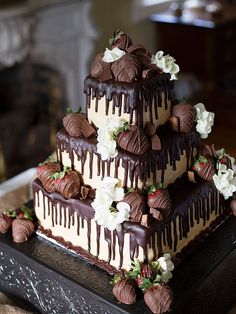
[(46, 48)]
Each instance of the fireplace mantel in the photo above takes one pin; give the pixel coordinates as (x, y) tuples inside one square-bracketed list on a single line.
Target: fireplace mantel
[(57, 33)]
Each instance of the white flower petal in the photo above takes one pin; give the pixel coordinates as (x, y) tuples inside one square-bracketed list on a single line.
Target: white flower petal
[(112, 55)]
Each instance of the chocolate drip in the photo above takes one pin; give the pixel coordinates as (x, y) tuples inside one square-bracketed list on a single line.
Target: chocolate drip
[(173, 146), (107, 236), (137, 94), (188, 199), (98, 238)]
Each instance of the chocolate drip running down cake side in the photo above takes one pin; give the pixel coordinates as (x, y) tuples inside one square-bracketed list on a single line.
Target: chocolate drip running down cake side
[(133, 180)]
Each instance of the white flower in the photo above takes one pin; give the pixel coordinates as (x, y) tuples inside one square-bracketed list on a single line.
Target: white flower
[(165, 262), (205, 120), (166, 63), (105, 214), (225, 181), (112, 55), (166, 276), (106, 145)]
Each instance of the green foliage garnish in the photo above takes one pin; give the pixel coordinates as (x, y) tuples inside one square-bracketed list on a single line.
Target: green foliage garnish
[(146, 284), (221, 153), (50, 159), (23, 212), (115, 279), (152, 189), (116, 35), (69, 110), (61, 174), (125, 127)]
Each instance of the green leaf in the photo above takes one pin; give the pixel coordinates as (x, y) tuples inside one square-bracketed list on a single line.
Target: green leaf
[(202, 158), (115, 279), (146, 284), (116, 35)]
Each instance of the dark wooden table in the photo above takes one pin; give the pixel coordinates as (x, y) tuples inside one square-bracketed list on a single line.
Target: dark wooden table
[(44, 278)]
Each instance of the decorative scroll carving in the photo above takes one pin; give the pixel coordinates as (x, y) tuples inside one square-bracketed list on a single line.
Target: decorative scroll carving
[(45, 293)]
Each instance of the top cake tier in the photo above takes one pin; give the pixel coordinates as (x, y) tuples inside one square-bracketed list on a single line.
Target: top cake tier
[(146, 100), (126, 82)]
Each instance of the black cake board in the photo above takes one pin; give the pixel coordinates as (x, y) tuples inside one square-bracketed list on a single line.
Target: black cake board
[(44, 278)]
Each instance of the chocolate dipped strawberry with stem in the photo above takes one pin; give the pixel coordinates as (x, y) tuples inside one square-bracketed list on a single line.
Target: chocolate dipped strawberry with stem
[(133, 139), (137, 204), (159, 201), (76, 124), (5, 222), (45, 171), (120, 40), (223, 158), (67, 182), (124, 289), (182, 117), (158, 298), (204, 167), (22, 229)]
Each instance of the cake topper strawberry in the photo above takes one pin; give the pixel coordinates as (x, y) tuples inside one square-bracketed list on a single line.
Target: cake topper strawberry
[(77, 125), (159, 201), (204, 167), (120, 40), (67, 182), (126, 69)]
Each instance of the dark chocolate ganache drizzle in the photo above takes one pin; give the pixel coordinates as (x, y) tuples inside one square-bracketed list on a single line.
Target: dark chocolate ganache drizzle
[(136, 168), (189, 207), (139, 95)]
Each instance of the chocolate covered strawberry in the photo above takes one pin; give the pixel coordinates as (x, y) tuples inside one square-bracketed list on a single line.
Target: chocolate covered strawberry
[(124, 290), (100, 69), (159, 298), (223, 158), (22, 229), (182, 117), (137, 205), (120, 40), (77, 125), (159, 198), (5, 223), (45, 172), (204, 167), (67, 183), (134, 140)]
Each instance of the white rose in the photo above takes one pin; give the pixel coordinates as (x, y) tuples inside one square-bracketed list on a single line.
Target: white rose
[(112, 55), (225, 181), (106, 194), (166, 63), (166, 276), (205, 120), (106, 145), (165, 262)]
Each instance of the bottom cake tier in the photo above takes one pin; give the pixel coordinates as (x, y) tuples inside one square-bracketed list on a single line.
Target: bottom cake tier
[(71, 223)]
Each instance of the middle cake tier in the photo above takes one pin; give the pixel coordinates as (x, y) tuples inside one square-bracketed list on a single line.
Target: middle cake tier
[(165, 166)]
